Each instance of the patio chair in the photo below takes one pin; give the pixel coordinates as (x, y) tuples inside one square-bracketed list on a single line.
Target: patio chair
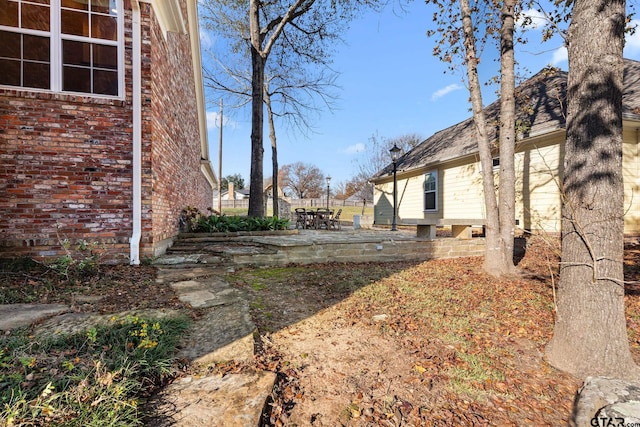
[(323, 218), (301, 217), (334, 222)]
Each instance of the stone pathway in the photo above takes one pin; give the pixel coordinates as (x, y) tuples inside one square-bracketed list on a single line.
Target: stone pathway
[(224, 332)]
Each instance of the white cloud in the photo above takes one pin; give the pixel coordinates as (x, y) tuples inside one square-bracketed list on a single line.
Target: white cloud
[(213, 121), (632, 42), (442, 92), (356, 148), (205, 40), (560, 55), (537, 19)]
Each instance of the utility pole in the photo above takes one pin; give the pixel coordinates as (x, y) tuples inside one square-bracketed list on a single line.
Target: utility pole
[(220, 165)]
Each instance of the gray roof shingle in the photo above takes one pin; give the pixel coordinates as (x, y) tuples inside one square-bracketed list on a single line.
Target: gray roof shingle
[(540, 104)]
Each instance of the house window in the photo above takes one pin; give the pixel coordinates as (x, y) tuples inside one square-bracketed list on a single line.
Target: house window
[(495, 162), (431, 191), (62, 45)]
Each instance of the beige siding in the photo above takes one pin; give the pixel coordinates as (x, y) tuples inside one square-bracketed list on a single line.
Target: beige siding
[(630, 170), (411, 197), (538, 196), (383, 203), (461, 192), (537, 188)]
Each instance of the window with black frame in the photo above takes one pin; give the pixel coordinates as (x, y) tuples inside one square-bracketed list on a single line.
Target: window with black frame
[(431, 191)]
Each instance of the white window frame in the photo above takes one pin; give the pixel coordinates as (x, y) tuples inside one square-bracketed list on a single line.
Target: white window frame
[(56, 37), (433, 173)]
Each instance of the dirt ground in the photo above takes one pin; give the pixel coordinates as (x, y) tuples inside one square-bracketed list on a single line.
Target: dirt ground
[(434, 343), (398, 344)]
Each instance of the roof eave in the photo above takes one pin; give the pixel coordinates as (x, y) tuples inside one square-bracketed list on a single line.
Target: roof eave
[(531, 139), (169, 16)]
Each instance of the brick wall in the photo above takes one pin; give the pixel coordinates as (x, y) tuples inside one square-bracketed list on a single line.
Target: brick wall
[(65, 165), (66, 160), (175, 154)]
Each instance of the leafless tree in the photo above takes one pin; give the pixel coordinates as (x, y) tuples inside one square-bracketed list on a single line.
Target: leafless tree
[(375, 157), (296, 86), (303, 179), (299, 30)]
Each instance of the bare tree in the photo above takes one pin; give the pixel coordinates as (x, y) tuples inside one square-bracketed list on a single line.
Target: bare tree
[(507, 143), (305, 180), (375, 157), (303, 27), (295, 92), (294, 80), (590, 334)]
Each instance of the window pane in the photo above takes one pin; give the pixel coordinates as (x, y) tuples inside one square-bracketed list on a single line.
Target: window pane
[(76, 79), (104, 27), (76, 23), (36, 75), (10, 74), (10, 45), (76, 4), (430, 182), (36, 48), (35, 17), (8, 13), (105, 82), (101, 6), (76, 53), (105, 56), (430, 200)]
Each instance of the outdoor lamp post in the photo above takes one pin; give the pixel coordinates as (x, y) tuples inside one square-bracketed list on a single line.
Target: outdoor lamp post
[(395, 152), (328, 183)]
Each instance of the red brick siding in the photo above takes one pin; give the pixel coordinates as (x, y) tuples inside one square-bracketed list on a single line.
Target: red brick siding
[(176, 153), (66, 161), (65, 166)]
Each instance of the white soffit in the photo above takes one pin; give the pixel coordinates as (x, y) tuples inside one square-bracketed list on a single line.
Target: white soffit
[(169, 16)]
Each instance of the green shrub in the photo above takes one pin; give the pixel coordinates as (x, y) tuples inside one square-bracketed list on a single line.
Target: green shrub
[(197, 222)]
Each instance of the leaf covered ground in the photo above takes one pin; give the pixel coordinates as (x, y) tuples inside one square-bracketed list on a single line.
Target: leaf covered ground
[(411, 344), (434, 343)]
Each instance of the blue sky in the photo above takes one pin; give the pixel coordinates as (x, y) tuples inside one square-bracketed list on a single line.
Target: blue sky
[(391, 85)]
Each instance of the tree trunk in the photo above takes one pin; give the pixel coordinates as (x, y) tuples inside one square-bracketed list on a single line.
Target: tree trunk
[(256, 195), (590, 334), (507, 189), (274, 149), (493, 255)]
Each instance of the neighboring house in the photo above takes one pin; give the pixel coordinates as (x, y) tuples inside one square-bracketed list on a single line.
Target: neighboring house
[(233, 194), (441, 179), (102, 125)]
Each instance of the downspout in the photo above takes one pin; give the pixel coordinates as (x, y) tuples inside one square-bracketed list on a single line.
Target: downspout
[(136, 63)]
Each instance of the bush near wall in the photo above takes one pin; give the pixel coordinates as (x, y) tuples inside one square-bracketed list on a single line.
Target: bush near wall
[(194, 221)]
